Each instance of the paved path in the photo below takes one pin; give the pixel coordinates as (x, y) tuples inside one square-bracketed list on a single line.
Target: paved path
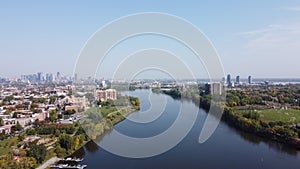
[(115, 112), (49, 162)]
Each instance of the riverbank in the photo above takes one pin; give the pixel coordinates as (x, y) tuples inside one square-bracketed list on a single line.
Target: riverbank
[(241, 148), (97, 120), (276, 131), (249, 121)]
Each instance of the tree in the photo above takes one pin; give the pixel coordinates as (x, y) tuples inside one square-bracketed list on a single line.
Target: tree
[(66, 142), (17, 127), (60, 152), (19, 106), (8, 98), (31, 131), (135, 102), (57, 133), (37, 122), (252, 115), (34, 105), (27, 162), (1, 121), (69, 112), (37, 151), (52, 99), (52, 115), (21, 137), (15, 115), (3, 136), (76, 142)]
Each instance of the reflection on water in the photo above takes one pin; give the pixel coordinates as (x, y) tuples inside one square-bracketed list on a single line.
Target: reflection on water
[(272, 144), (227, 148)]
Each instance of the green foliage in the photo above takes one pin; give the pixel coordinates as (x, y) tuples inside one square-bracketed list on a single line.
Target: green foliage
[(3, 135), (8, 98), (250, 122), (252, 115), (24, 163), (69, 112), (52, 129), (52, 99), (67, 142), (15, 115), (37, 100), (107, 103), (242, 98), (21, 137), (135, 102), (285, 133), (1, 122), (19, 106), (17, 127), (60, 152), (53, 115), (156, 90), (104, 112), (57, 133), (31, 131), (291, 116), (37, 151), (173, 93), (34, 106)]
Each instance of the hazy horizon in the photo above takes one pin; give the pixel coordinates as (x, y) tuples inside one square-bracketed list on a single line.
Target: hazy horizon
[(254, 38)]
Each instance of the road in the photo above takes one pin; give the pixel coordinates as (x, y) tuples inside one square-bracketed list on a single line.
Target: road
[(49, 162)]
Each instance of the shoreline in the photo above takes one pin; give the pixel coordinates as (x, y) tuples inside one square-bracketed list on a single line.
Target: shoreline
[(229, 118), (106, 128)]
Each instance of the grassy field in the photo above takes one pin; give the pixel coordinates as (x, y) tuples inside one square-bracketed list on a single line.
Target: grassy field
[(106, 110), (5, 145), (289, 115), (4, 151), (9, 142)]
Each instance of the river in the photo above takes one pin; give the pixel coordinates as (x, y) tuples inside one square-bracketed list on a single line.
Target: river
[(227, 148)]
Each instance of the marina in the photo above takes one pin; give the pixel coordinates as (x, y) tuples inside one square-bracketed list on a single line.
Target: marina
[(69, 163)]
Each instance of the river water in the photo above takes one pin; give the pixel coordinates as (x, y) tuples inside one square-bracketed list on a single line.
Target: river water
[(226, 148)]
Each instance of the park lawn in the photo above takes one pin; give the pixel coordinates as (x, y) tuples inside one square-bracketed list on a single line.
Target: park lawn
[(5, 145), (9, 142), (106, 110), (287, 116), (5, 151)]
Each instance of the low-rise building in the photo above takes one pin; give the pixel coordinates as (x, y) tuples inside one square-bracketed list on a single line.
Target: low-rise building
[(103, 95)]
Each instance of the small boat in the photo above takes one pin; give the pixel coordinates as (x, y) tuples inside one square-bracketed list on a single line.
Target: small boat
[(73, 159), (66, 166)]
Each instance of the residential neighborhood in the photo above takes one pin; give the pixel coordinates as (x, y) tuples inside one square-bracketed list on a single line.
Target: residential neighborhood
[(26, 105)]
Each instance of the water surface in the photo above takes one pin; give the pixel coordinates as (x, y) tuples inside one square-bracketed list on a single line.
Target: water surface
[(227, 148)]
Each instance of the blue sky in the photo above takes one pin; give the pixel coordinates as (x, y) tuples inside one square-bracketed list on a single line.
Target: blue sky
[(258, 38)]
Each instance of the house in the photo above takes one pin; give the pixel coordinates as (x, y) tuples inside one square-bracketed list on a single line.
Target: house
[(6, 129)]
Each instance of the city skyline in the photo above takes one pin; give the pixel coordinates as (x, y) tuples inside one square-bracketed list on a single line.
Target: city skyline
[(263, 43)]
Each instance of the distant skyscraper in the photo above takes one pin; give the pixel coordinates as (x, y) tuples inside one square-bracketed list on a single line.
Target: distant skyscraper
[(39, 76), (249, 79), (49, 78), (237, 80), (75, 78), (228, 79), (34, 78), (58, 76)]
